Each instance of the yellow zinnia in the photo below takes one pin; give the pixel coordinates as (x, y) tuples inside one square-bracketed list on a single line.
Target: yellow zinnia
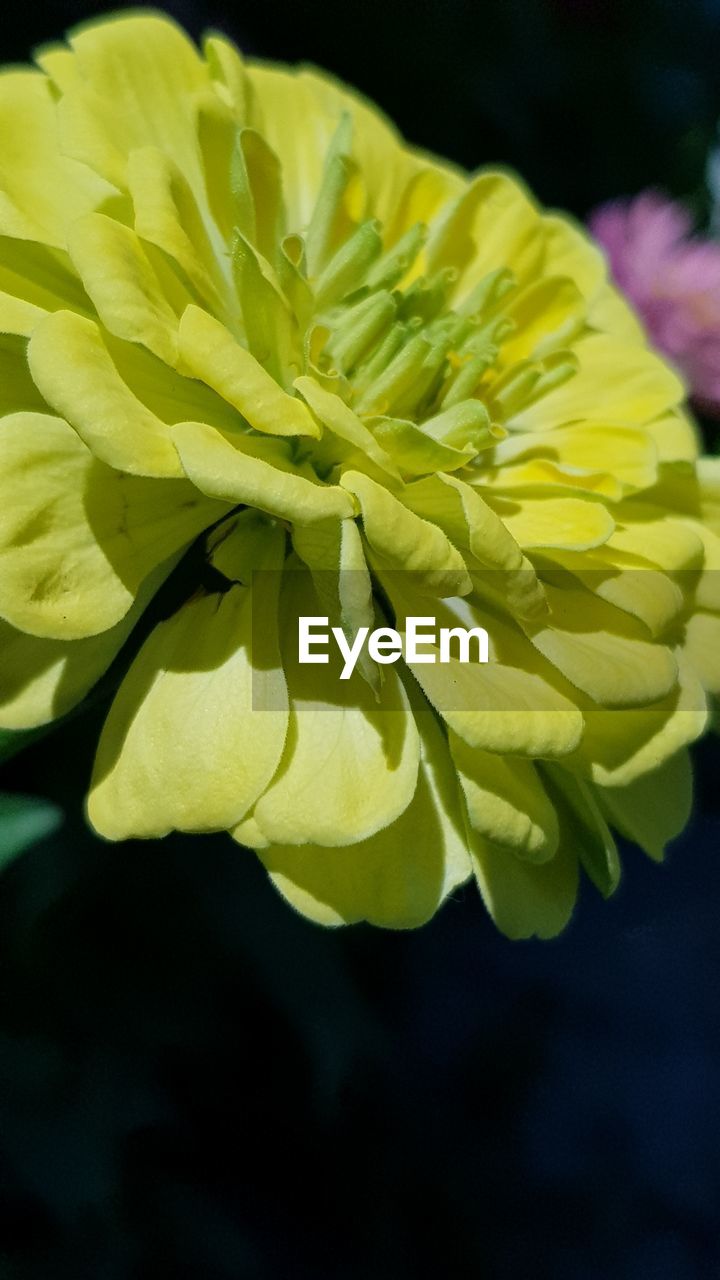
[(240, 316)]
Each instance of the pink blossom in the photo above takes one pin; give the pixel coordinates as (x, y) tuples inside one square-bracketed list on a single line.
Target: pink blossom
[(673, 278)]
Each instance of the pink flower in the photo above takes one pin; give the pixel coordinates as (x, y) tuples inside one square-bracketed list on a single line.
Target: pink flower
[(673, 278)]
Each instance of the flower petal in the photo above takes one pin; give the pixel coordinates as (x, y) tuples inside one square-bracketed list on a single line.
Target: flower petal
[(676, 438), (406, 541), (653, 809), (35, 278), (469, 521), (601, 650), (133, 85), (525, 899), (208, 351), (639, 590), (617, 381), (76, 538), (610, 313), (167, 216), (192, 689), (237, 472), (18, 392), (570, 252), (118, 275), (333, 552), (415, 452), (649, 533), (547, 315), (351, 760), (343, 423), (702, 648), (43, 678), (397, 878), (508, 705), (506, 801), (284, 97), (584, 828), (630, 455), (72, 367), (492, 223), (618, 747), (501, 708), (571, 523), (42, 190)]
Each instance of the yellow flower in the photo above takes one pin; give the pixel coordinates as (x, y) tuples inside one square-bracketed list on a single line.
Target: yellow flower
[(240, 316)]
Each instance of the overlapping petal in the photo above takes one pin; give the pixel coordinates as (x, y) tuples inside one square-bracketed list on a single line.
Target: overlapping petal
[(78, 539)]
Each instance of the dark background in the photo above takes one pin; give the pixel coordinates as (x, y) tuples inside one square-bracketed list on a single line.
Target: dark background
[(195, 1084)]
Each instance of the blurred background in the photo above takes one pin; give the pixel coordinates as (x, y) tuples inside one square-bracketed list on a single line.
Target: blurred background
[(195, 1084)]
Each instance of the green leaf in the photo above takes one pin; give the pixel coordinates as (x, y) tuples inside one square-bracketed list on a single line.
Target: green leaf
[(14, 740), (23, 821)]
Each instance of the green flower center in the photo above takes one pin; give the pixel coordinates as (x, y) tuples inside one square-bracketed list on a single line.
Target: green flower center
[(388, 327)]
